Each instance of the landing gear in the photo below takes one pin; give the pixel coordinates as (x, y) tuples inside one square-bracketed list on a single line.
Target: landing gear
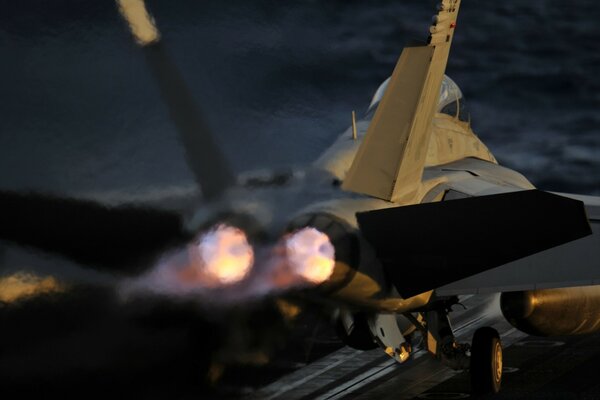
[(441, 342), (486, 361), (367, 331), (483, 358)]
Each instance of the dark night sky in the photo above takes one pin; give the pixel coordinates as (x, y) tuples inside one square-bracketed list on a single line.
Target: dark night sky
[(81, 114)]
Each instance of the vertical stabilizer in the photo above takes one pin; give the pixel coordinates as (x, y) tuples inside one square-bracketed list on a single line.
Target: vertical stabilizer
[(390, 161)]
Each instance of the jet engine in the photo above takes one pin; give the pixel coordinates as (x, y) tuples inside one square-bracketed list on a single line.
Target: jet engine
[(345, 243), (352, 329), (553, 312)]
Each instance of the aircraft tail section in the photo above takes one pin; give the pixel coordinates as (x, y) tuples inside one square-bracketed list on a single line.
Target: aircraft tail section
[(390, 161)]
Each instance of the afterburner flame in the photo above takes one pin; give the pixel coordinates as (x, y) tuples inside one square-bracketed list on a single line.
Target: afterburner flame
[(310, 254), (223, 255)]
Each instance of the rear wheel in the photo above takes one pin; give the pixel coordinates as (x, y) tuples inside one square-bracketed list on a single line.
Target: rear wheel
[(486, 361)]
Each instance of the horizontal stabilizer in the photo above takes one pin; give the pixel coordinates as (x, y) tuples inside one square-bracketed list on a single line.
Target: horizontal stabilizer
[(119, 238), (425, 246), (576, 263)]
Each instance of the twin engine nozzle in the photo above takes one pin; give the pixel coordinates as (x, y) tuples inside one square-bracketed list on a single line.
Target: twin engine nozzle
[(223, 256), (221, 262)]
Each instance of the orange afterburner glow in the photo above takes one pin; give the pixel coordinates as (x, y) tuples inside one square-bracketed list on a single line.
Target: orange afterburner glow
[(219, 266), (310, 254), (223, 255)]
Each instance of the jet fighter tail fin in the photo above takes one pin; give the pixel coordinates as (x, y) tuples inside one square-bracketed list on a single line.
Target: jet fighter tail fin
[(204, 157), (390, 161)]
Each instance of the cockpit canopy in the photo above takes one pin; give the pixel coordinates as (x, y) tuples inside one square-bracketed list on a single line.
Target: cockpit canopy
[(451, 100)]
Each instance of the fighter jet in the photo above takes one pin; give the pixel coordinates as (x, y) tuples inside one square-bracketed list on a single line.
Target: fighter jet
[(406, 211)]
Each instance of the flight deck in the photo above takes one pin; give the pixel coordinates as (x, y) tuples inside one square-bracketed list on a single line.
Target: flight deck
[(534, 367)]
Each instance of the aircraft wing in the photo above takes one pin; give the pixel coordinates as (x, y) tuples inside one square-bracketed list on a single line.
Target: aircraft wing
[(428, 246), (576, 263)]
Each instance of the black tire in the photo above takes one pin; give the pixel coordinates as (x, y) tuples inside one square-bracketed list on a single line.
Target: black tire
[(486, 361)]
